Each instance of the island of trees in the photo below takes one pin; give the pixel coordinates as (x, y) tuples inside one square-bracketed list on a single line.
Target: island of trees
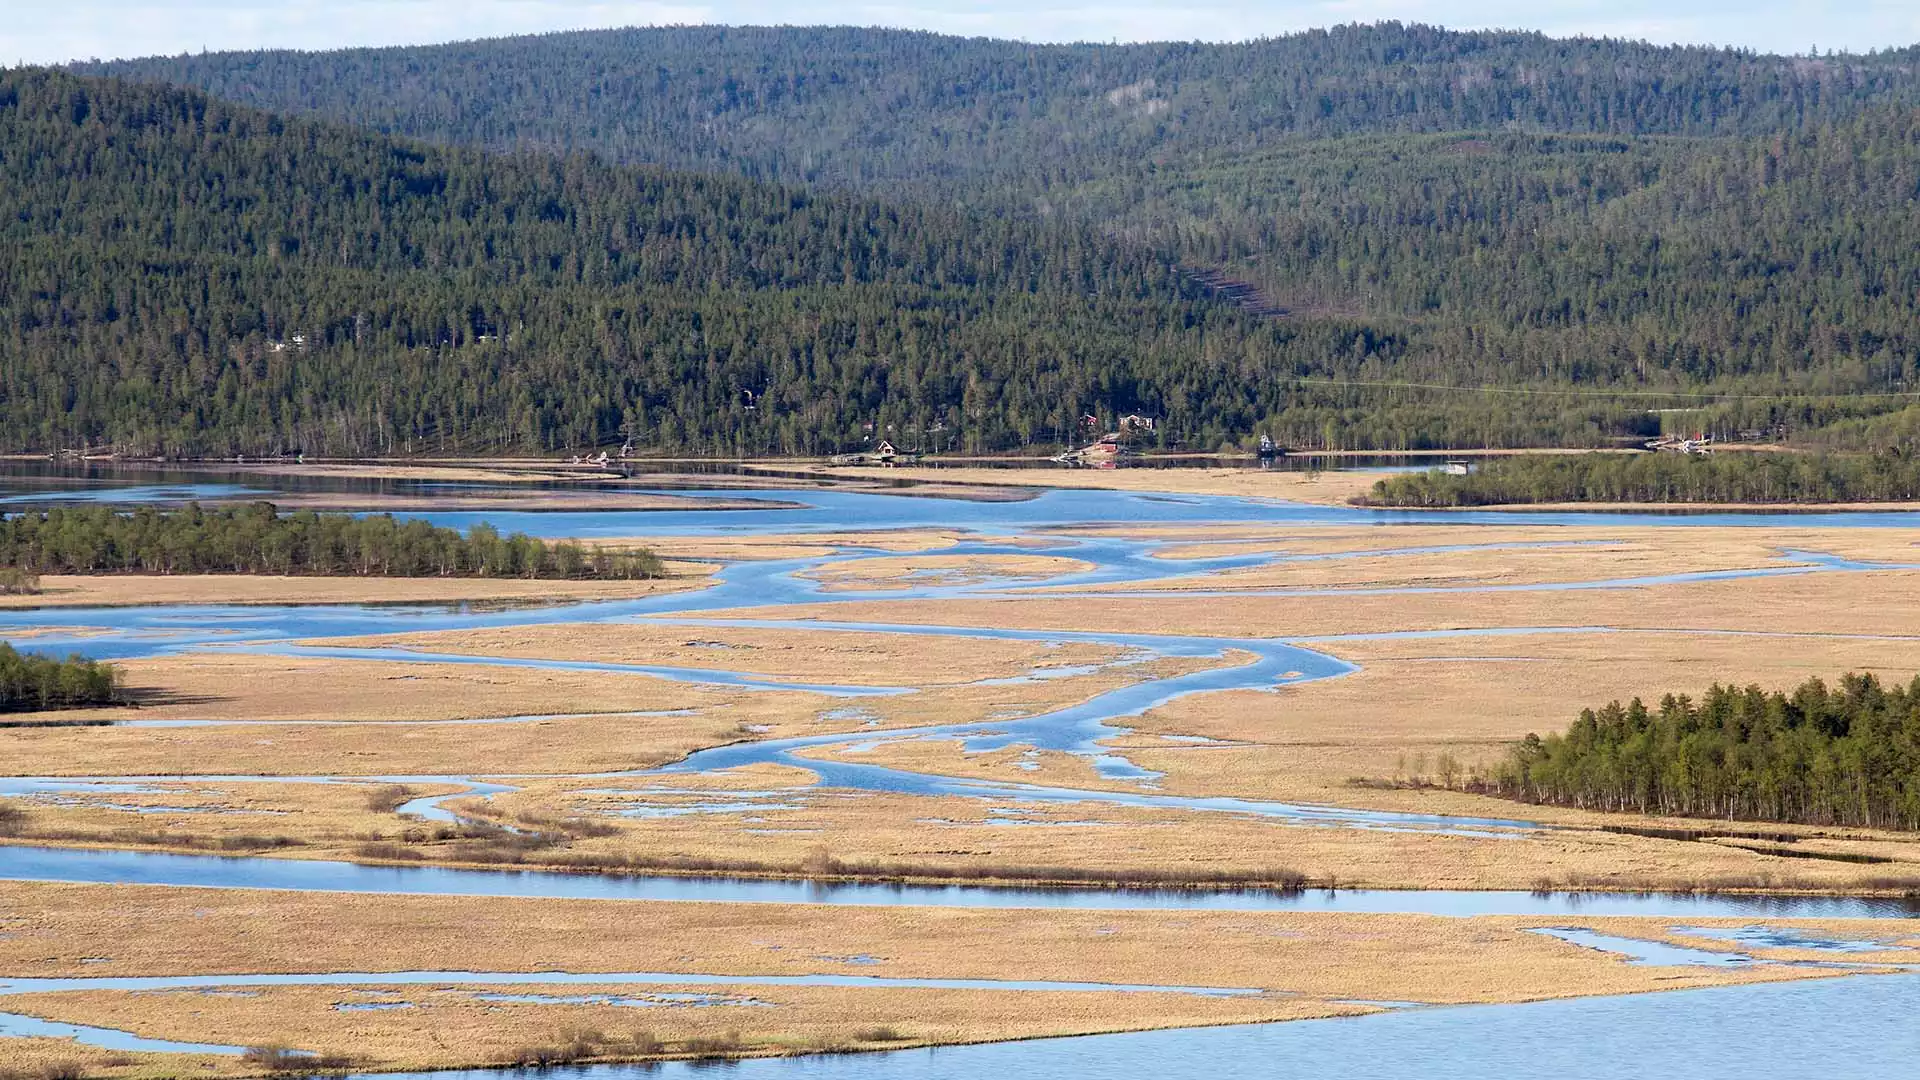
[(1845, 755), (29, 682), (1755, 477), (259, 539)]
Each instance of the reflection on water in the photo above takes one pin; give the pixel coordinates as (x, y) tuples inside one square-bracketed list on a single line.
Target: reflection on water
[(1649, 953), (18, 863), (14, 987)]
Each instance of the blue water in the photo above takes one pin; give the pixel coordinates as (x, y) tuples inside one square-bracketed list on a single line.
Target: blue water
[(14, 987), (1857, 1028), (1784, 937), (31, 1027), (1645, 953), (1736, 1032), (836, 511), (18, 863)]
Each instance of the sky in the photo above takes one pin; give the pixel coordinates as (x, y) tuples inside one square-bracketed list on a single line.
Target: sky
[(53, 31)]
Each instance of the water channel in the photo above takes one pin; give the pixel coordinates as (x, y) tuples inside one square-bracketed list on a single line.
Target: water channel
[(1559, 1038)]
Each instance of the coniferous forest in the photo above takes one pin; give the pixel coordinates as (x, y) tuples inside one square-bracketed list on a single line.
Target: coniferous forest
[(258, 539), (783, 240), (1661, 478), (1845, 755)]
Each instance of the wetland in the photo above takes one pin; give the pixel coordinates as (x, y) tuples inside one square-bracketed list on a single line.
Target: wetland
[(905, 771)]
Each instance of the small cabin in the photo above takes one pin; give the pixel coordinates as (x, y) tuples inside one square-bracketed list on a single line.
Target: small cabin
[(1457, 467)]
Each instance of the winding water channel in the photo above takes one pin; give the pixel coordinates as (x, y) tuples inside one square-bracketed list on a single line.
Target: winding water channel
[(1427, 1043)]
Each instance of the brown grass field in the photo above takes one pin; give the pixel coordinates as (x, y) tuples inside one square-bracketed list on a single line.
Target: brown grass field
[(1304, 963), (1372, 739)]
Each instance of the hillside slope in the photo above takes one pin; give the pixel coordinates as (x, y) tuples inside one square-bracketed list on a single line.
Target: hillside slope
[(183, 275), (841, 105)]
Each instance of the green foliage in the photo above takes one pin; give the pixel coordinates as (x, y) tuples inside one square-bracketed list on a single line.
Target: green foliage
[(258, 539), (192, 277), (1053, 230), (1740, 477), (16, 581), (1843, 756), (30, 682), (1736, 263), (972, 117)]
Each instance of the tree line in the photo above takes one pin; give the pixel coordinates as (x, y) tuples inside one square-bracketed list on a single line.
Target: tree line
[(30, 682), (1731, 477), (1845, 755), (189, 277), (974, 119), (259, 539)]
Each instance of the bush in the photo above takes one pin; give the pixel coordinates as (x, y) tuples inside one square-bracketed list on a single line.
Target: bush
[(387, 799), (276, 1058), (713, 1046)]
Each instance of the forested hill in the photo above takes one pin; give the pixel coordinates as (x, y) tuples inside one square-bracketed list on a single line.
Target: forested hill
[(182, 275), (844, 105)]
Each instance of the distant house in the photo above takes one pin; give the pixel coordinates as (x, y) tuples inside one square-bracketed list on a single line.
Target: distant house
[(1136, 422)]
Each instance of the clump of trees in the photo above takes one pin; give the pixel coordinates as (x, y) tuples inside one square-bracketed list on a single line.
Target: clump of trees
[(1845, 755), (258, 539), (15, 581), (1662, 478), (29, 682)]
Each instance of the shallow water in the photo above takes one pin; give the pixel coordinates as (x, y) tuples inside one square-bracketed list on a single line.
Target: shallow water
[(1857, 1028), (250, 872), (13, 987), (31, 1027), (1645, 953), (1559, 1039)]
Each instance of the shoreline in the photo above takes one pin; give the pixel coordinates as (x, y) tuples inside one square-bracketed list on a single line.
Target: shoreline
[(553, 485), (1116, 883)]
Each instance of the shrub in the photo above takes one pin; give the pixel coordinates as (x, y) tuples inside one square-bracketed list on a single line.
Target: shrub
[(385, 800)]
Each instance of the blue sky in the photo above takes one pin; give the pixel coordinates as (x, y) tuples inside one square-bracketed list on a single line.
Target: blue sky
[(49, 31)]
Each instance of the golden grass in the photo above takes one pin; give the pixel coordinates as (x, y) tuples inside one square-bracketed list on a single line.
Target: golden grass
[(943, 570), (1412, 701), (1305, 961), (840, 657), (1877, 603), (1333, 487), (785, 546)]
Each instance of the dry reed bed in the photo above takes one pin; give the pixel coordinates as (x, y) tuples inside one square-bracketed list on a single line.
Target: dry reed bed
[(1303, 958)]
